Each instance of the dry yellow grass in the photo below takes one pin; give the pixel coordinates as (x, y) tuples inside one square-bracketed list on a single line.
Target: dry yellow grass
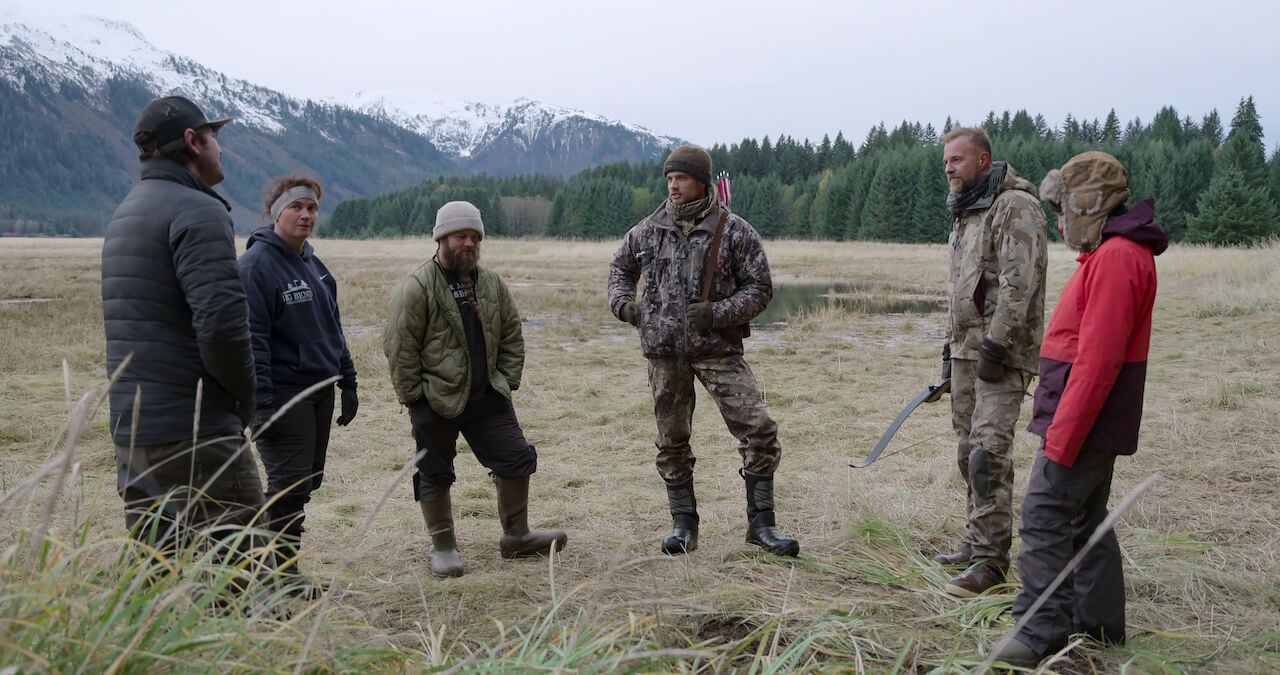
[(1202, 549)]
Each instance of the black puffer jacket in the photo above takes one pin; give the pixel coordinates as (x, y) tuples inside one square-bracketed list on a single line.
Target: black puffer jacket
[(172, 297)]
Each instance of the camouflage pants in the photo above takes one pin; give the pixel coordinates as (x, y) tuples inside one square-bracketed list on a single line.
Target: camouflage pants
[(983, 415), (732, 386)]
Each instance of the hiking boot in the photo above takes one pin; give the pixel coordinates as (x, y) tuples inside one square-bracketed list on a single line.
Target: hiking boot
[(962, 556), (684, 519), (517, 540), (976, 580), (1016, 653)]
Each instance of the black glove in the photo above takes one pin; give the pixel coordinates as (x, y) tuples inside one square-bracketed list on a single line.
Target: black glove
[(991, 361), (946, 361), (699, 316), (350, 404), (630, 313)]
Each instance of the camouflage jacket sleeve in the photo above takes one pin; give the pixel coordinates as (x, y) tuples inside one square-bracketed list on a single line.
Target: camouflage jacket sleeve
[(752, 281), (1018, 237), (624, 272)]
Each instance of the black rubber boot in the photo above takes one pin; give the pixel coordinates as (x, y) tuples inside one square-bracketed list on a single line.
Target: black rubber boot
[(443, 554), (518, 541), (762, 530), (684, 519)]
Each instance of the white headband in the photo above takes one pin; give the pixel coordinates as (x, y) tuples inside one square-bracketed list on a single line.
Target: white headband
[(290, 196)]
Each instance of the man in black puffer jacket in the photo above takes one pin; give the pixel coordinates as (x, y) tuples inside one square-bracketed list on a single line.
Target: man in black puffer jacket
[(173, 303)]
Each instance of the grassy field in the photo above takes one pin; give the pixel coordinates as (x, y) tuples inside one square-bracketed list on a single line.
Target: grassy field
[(1202, 548)]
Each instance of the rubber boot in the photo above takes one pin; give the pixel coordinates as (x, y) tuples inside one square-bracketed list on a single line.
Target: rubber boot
[(684, 519), (518, 541), (762, 530), (443, 554)]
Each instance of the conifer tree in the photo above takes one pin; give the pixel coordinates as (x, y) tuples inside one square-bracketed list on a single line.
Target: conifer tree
[(1230, 212), (842, 152), (1246, 156), (1211, 128), (1246, 119), (1111, 128)]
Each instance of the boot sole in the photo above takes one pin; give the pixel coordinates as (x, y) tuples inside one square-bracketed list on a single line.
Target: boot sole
[(960, 592), (680, 549), (788, 551), (534, 553)]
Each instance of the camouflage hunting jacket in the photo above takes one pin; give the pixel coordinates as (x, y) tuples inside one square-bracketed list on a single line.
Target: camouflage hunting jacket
[(998, 260), (673, 267)]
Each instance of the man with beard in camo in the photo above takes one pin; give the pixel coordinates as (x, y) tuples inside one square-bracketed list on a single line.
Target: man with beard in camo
[(691, 326), (455, 349), (997, 276)]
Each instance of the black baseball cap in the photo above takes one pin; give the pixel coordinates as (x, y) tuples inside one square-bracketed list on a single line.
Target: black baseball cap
[(167, 119)]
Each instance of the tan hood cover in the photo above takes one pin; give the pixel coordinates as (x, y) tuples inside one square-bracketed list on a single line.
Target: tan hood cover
[(1086, 189)]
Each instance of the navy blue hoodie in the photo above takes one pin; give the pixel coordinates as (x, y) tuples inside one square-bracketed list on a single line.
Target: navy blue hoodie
[(293, 316)]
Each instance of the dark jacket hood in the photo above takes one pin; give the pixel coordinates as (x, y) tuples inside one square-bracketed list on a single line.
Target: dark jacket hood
[(1139, 226), (267, 235)]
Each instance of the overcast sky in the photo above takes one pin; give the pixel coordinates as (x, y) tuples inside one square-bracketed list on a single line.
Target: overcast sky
[(719, 71)]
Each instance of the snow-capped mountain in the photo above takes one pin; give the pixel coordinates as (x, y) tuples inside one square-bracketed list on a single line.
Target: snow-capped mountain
[(77, 82), (465, 129)]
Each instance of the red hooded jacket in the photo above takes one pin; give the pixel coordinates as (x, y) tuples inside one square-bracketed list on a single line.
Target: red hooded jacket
[(1093, 361)]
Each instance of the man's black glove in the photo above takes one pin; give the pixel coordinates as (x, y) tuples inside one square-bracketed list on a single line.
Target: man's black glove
[(991, 360), (699, 316), (350, 404), (630, 313), (946, 361)]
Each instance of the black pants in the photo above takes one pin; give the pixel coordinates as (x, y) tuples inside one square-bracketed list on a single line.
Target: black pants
[(1062, 508), (293, 451), (489, 424)]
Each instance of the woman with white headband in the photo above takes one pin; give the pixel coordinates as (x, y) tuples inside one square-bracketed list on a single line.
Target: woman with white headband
[(297, 342)]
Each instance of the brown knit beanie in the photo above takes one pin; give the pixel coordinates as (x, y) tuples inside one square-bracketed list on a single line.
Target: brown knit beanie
[(690, 159)]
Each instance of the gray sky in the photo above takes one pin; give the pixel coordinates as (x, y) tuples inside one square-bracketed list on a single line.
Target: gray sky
[(719, 71)]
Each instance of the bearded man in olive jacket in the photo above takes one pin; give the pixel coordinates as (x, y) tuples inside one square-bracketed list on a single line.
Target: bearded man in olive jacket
[(455, 350)]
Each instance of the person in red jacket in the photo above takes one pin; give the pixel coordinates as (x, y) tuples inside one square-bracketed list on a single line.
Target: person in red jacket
[(1088, 406)]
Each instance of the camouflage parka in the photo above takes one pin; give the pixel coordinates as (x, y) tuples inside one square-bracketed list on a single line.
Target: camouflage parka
[(673, 267), (998, 260)]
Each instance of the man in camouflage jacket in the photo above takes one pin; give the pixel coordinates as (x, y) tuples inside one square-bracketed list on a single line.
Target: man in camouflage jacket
[(686, 333), (997, 278)]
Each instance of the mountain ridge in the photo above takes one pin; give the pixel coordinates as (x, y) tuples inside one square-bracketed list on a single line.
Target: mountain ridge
[(74, 84)]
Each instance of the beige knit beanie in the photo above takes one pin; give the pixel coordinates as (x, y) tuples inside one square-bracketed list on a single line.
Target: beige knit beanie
[(456, 217)]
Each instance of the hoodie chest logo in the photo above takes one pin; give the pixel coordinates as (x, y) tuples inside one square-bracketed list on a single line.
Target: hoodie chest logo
[(297, 291)]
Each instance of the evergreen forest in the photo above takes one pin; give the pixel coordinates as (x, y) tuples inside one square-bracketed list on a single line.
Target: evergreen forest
[(1212, 183)]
